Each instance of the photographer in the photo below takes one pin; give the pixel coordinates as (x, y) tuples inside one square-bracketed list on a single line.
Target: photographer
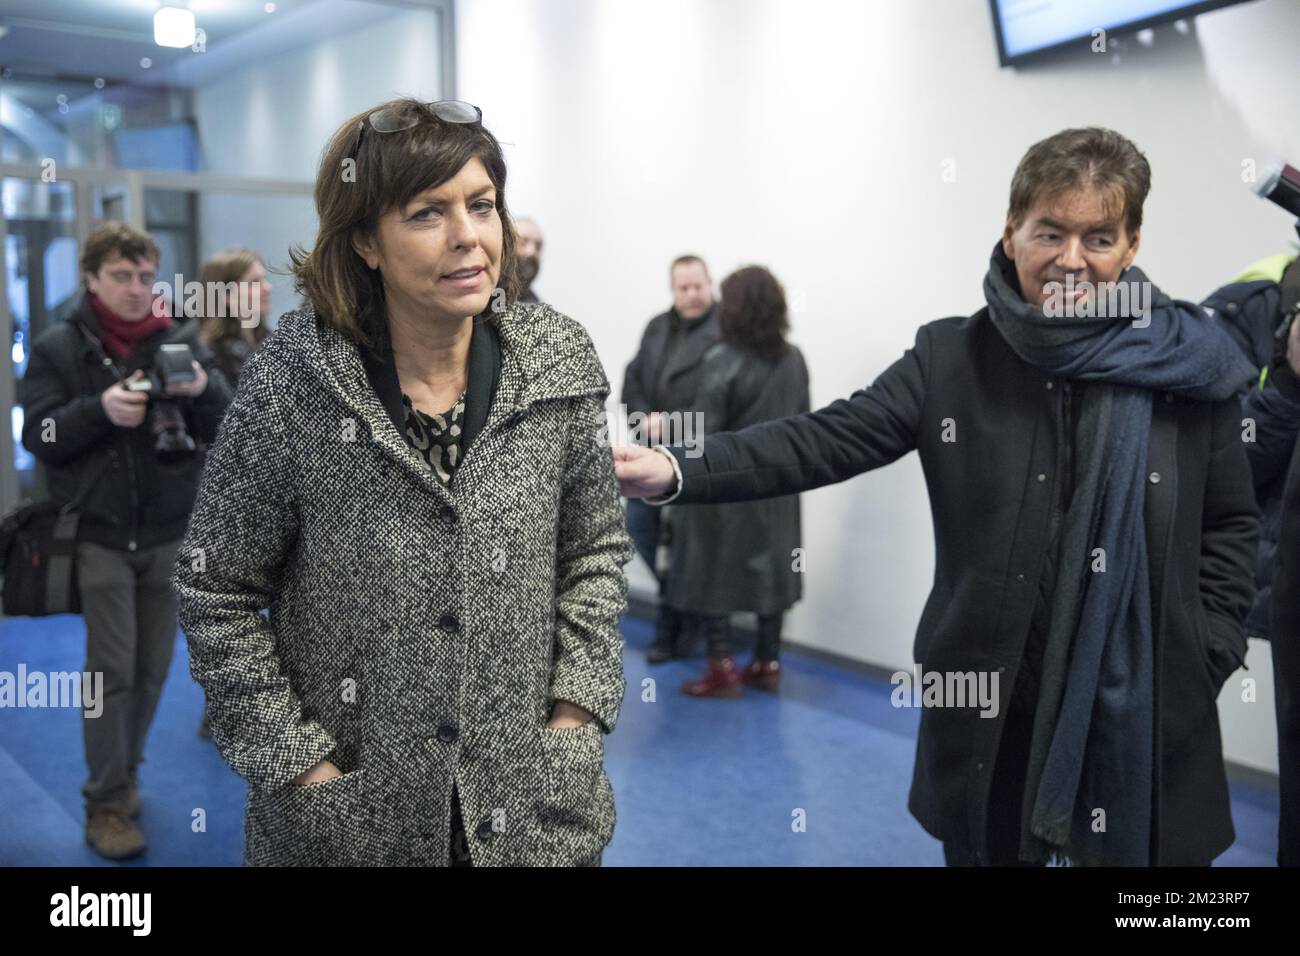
[(1274, 407), (105, 410)]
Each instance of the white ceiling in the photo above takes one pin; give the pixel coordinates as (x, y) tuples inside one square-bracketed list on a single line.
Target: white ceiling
[(78, 40), (84, 39)]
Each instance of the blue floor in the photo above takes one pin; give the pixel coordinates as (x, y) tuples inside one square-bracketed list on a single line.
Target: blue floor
[(697, 782)]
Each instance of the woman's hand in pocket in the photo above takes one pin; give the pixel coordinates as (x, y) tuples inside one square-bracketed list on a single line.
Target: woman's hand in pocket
[(318, 774), (566, 715)]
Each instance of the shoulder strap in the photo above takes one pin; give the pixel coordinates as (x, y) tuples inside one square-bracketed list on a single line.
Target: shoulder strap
[(92, 477)]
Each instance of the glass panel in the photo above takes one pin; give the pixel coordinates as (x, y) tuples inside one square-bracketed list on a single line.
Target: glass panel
[(41, 281)]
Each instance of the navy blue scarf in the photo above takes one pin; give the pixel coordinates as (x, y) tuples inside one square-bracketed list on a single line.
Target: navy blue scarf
[(1089, 790)]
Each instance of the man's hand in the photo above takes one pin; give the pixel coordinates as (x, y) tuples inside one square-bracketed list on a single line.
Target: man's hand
[(191, 389), (318, 774), (1293, 346), (125, 409), (566, 715), (643, 472)]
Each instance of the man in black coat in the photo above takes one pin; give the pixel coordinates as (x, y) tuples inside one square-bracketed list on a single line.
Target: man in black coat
[(139, 469), (1286, 660), (1251, 310), (1094, 526), (665, 377), (1272, 410)]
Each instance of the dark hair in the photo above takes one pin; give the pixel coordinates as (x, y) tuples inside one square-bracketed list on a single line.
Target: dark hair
[(1082, 157), (353, 192), (686, 261), (113, 239), (752, 314)]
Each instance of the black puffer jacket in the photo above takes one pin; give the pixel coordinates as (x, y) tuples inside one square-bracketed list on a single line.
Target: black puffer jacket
[(138, 501)]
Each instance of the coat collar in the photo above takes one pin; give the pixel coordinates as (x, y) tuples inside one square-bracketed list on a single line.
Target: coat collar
[(484, 372), (523, 354)]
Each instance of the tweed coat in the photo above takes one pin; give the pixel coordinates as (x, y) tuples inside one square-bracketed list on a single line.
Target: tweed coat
[(417, 635)]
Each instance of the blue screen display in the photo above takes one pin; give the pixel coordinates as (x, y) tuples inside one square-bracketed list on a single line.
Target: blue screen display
[(1030, 25)]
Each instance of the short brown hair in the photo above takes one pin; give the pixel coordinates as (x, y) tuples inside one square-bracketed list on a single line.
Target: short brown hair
[(112, 239), (687, 260), (390, 169), (753, 313), (1082, 157)]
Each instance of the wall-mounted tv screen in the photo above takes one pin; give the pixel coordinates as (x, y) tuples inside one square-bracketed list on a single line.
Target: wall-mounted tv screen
[(1026, 28)]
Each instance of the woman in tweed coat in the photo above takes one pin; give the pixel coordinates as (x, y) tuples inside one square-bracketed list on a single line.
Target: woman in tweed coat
[(413, 479)]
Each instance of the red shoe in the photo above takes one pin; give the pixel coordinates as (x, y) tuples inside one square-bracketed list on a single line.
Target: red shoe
[(722, 679), (762, 675)]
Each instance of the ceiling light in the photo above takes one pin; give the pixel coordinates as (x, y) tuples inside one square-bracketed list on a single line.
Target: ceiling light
[(173, 27)]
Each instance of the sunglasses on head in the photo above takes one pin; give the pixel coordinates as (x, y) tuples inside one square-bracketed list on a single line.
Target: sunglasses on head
[(393, 119)]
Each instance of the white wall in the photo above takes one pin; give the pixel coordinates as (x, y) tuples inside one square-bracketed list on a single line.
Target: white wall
[(274, 118), (812, 137)]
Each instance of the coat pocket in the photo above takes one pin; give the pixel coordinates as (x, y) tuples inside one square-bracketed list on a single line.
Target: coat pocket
[(1201, 628), (317, 824), (577, 807)]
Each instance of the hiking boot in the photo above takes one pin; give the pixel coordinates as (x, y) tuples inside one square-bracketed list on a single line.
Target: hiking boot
[(112, 835)]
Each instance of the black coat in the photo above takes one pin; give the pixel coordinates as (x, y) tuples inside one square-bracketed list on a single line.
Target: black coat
[(138, 502), (754, 541), (1251, 312), (1275, 409), (991, 520), (1286, 665), (650, 387)]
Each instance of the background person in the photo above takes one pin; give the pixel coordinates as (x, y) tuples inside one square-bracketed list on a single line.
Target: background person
[(91, 432), (529, 241), (664, 377), (741, 557)]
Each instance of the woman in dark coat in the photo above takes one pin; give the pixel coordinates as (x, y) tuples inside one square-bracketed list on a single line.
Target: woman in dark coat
[(742, 557), (413, 479)]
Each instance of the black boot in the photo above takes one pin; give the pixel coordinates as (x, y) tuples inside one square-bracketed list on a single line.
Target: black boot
[(668, 626)]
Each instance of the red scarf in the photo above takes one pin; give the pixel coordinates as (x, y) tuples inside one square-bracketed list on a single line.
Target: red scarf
[(120, 335)]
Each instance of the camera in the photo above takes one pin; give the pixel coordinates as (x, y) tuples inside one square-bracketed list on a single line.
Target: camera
[(172, 441), (1282, 187)]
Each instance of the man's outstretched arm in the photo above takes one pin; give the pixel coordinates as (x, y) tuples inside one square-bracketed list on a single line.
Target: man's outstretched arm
[(871, 428)]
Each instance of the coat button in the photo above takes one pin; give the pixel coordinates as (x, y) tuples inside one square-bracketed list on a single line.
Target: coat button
[(448, 515), (448, 733), (1154, 478), (1050, 386), (449, 623), (1020, 577), (485, 831), (1169, 397), (1042, 476), (979, 766)]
